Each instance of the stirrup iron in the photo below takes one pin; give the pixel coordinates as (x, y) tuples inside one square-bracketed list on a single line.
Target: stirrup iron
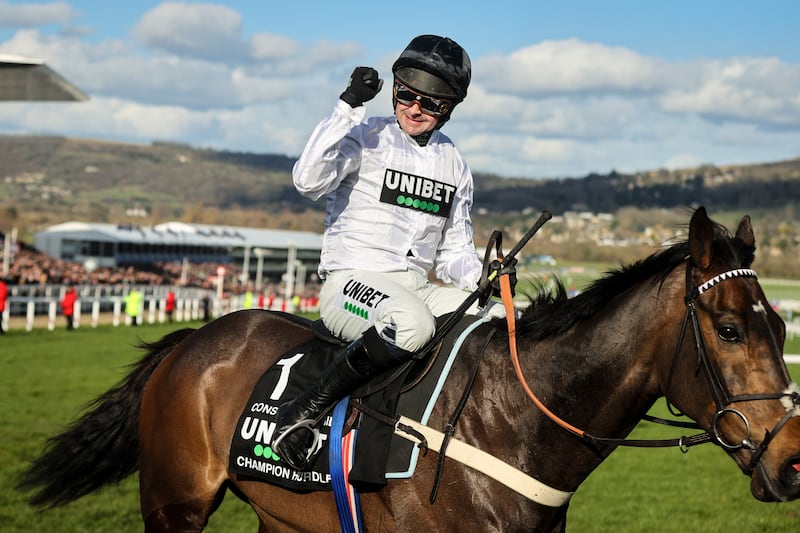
[(307, 424)]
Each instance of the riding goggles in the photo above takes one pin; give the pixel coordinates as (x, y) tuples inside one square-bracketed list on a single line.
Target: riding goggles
[(430, 106)]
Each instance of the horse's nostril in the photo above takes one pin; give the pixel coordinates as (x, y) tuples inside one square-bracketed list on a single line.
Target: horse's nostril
[(790, 473)]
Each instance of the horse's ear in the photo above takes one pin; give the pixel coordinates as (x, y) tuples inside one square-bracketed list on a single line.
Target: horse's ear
[(745, 232), (701, 235)]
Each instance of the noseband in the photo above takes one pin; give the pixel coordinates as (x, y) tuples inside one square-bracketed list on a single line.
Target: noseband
[(722, 397)]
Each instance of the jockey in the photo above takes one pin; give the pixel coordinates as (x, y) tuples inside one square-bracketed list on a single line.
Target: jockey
[(398, 198)]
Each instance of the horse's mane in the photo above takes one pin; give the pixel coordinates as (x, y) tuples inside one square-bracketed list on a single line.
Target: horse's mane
[(551, 312)]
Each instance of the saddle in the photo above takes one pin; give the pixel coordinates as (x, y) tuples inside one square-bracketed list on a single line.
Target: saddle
[(378, 454), (411, 372)]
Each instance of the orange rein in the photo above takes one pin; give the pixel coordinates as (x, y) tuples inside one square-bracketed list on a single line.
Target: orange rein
[(508, 302)]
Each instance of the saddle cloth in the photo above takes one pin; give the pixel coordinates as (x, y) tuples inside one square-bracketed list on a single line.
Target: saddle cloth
[(378, 452)]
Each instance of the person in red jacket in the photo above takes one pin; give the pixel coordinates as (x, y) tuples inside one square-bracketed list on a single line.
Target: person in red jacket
[(169, 305), (68, 306), (3, 298)]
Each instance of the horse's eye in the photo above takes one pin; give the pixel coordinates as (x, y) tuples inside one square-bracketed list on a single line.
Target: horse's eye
[(728, 333)]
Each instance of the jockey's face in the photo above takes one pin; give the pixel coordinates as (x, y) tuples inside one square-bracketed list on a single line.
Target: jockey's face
[(412, 120)]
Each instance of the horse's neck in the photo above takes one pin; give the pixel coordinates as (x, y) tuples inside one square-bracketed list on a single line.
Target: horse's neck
[(609, 364), (601, 376)]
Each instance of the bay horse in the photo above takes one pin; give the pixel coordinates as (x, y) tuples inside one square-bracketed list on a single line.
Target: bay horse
[(689, 323)]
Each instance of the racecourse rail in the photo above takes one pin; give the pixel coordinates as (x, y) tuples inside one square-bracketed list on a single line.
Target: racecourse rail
[(33, 306), (39, 305)]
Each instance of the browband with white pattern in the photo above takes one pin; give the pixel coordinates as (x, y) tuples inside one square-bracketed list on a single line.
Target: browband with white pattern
[(735, 273)]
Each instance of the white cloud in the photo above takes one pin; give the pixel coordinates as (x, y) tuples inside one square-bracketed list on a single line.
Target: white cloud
[(33, 15), (682, 160), (569, 66), (556, 108), (57, 51), (266, 46), (760, 89), (208, 31), (326, 52), (765, 90)]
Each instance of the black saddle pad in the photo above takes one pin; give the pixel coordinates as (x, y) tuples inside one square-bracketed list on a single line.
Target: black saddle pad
[(378, 453), (251, 455)]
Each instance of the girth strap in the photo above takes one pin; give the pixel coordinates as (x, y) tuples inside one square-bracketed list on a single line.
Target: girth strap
[(515, 479)]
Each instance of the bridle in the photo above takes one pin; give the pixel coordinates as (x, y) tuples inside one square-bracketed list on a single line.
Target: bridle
[(722, 397)]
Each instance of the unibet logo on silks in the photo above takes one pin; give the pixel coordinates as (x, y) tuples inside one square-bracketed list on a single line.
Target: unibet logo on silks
[(416, 192)]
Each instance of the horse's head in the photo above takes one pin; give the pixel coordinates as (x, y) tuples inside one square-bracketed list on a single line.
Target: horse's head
[(735, 382)]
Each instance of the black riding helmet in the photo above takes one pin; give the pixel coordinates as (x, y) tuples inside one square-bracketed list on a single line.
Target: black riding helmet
[(435, 66)]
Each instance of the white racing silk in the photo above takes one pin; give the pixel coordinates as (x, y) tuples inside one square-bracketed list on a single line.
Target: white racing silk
[(391, 205)]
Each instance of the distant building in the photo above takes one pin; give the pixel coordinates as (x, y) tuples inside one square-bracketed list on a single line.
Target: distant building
[(109, 245)]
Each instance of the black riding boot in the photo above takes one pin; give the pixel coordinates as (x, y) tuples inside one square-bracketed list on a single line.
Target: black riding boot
[(353, 367)]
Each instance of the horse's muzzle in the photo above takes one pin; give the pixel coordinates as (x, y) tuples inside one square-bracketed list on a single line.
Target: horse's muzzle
[(783, 489)]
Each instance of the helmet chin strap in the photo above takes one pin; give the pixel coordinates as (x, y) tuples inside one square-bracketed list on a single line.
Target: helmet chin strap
[(423, 138)]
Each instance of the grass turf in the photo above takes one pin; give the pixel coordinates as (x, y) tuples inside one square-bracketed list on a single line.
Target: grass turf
[(47, 377)]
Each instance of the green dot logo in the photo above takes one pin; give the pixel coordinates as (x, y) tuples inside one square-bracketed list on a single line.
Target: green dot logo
[(265, 452), (356, 310), (418, 203), (269, 454)]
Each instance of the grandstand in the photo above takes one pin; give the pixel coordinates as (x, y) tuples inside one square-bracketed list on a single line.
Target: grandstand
[(261, 252)]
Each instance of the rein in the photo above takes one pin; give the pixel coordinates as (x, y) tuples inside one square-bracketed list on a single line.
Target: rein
[(721, 396), (684, 442)]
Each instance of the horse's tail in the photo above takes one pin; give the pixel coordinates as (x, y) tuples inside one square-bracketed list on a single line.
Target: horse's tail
[(101, 447)]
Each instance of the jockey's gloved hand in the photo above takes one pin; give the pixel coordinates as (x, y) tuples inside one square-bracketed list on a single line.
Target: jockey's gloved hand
[(364, 84), (497, 266)]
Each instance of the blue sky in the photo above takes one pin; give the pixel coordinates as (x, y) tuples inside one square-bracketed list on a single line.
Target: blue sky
[(560, 89)]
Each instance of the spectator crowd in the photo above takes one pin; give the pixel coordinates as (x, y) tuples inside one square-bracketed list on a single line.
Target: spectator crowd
[(31, 267)]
